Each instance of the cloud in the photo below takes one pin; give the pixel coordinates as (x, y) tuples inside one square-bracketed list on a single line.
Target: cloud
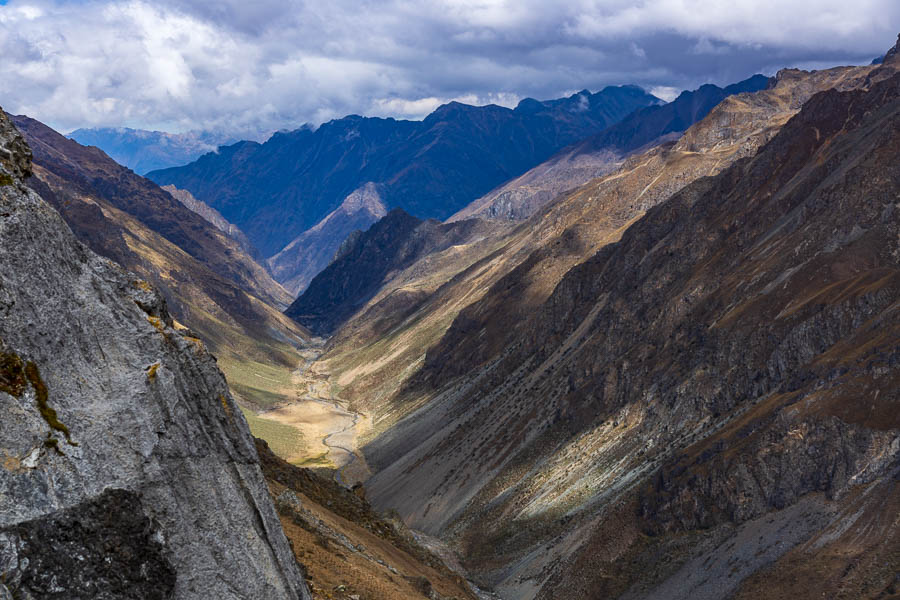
[(248, 67), (665, 92)]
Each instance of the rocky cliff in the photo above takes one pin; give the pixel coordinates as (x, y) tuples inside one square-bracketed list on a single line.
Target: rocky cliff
[(127, 469), (211, 285)]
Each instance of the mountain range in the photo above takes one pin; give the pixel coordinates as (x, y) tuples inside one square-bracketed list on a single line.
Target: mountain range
[(603, 152), (674, 381), (428, 168), (143, 151), (431, 168)]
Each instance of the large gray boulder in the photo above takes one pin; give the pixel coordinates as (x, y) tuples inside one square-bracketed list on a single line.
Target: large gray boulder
[(126, 469)]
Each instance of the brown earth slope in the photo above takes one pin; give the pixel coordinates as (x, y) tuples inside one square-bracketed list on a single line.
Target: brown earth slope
[(692, 402), (384, 344), (348, 551)]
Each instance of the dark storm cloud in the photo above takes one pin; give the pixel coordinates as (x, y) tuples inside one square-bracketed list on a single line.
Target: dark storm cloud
[(248, 67)]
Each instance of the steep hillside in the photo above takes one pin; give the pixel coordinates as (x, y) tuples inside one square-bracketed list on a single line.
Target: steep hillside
[(517, 266), (602, 153), (346, 548), (143, 151), (216, 218), (700, 406), (365, 259), (431, 168), (210, 284), (127, 469), (308, 254)]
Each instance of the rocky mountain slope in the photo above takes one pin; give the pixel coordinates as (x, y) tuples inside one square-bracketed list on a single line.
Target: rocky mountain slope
[(705, 407), (127, 469), (431, 168), (309, 253), (216, 218), (384, 344), (143, 151), (602, 153), (210, 283), (365, 259), (346, 548)]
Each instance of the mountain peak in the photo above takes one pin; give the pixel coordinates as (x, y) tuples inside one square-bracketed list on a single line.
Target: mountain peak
[(892, 55)]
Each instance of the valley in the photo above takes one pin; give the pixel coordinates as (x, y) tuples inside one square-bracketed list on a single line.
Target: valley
[(329, 429), (600, 346)]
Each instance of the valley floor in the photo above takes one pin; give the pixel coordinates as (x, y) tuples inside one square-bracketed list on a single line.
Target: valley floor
[(327, 431)]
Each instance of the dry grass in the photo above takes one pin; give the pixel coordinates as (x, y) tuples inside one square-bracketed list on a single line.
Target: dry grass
[(285, 441)]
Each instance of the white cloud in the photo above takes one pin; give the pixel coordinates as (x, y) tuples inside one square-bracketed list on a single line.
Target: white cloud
[(665, 92), (258, 66)]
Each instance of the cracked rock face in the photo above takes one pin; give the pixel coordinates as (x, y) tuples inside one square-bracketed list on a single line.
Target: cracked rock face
[(126, 469)]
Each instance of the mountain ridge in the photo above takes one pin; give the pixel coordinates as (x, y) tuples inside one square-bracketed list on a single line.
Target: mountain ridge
[(309, 253), (654, 353), (602, 152), (276, 190)]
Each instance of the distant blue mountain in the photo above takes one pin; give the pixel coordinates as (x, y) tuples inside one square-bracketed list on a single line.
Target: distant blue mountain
[(431, 168), (143, 151), (647, 124)]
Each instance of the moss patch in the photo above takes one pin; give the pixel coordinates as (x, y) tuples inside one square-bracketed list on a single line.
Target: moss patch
[(157, 323), (225, 406), (151, 371), (5, 179), (12, 374), (42, 396), (142, 285)]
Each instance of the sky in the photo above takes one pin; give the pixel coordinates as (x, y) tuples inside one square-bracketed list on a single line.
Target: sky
[(246, 67)]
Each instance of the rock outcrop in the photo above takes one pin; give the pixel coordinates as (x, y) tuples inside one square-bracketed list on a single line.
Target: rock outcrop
[(126, 469)]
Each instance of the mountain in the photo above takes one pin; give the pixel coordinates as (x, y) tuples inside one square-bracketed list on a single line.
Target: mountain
[(309, 253), (365, 259), (602, 152), (380, 346), (214, 217), (143, 151), (209, 282), (520, 394), (703, 408), (128, 470), (277, 190)]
